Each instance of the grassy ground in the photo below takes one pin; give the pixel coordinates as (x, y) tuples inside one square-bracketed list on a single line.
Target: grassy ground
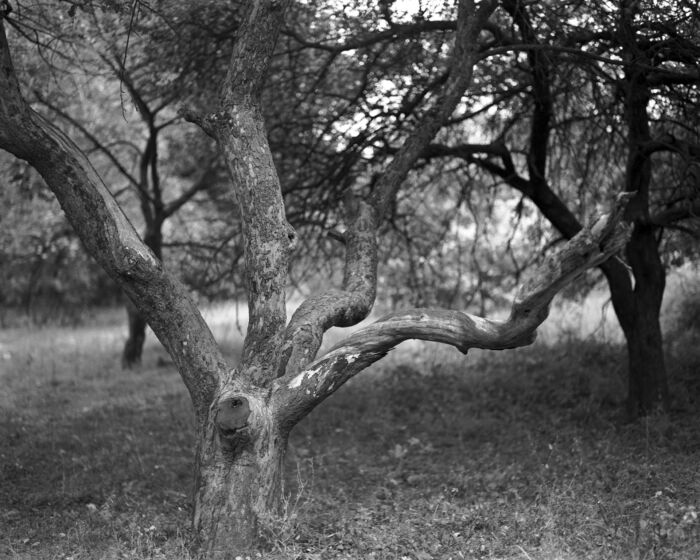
[(513, 455)]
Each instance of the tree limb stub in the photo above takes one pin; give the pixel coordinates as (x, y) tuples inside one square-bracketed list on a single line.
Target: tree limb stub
[(298, 394), (110, 238)]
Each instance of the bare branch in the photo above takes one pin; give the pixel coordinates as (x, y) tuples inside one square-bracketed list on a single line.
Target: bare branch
[(204, 182), (669, 143), (661, 76), (104, 149), (589, 248), (470, 21), (688, 209)]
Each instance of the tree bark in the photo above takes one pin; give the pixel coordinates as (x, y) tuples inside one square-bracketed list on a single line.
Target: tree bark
[(239, 474)]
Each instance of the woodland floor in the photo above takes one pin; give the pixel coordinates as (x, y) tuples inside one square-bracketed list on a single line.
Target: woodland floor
[(514, 455)]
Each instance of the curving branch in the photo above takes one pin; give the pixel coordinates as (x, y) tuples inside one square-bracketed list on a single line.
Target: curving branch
[(352, 303), (206, 180), (337, 308), (592, 246), (667, 142), (109, 237)]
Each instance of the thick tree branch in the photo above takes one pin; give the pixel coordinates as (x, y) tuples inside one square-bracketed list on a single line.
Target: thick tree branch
[(109, 236), (469, 153), (252, 52), (239, 129), (592, 246), (669, 143), (541, 94), (662, 77)]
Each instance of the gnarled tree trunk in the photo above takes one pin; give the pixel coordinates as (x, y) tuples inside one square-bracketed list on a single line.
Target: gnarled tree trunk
[(244, 414), (239, 475)]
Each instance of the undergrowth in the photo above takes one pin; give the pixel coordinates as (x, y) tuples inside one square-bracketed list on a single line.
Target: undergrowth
[(521, 454)]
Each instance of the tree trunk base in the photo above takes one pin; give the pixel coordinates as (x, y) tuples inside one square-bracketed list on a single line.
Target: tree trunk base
[(238, 486)]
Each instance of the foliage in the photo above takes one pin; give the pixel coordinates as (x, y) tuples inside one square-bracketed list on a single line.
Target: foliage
[(347, 109)]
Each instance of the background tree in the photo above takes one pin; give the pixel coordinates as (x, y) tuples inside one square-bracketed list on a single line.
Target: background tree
[(45, 273), (639, 63), (129, 135)]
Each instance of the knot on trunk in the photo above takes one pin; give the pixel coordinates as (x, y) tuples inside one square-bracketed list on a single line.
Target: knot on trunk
[(232, 420)]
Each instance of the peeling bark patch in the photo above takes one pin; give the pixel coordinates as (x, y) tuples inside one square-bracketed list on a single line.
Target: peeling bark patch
[(297, 381), (325, 367)]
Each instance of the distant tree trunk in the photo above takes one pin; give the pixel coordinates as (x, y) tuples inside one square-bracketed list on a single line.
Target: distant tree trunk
[(133, 347), (637, 305), (648, 388)]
